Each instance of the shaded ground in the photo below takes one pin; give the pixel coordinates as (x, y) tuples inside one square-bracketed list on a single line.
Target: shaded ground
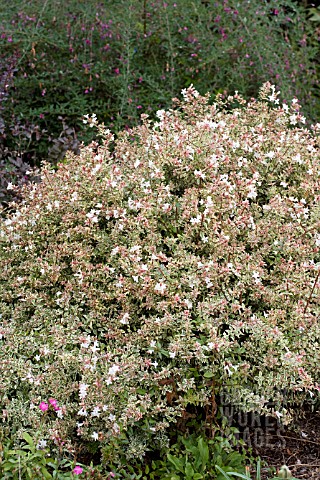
[(297, 447)]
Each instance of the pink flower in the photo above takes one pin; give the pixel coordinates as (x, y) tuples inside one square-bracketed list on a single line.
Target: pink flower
[(54, 403), (77, 470), (43, 406)]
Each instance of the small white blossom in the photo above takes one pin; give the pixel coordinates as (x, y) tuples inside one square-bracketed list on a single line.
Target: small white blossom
[(125, 319), (113, 370), (95, 412), (83, 412), (41, 444), (83, 387), (256, 277), (160, 287)]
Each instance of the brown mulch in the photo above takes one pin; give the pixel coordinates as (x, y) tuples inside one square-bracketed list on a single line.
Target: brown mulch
[(296, 446)]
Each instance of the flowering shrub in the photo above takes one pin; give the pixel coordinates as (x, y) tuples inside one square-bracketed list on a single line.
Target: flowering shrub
[(146, 274)]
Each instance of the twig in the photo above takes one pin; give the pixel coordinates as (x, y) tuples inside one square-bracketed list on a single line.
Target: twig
[(298, 439), (314, 286)]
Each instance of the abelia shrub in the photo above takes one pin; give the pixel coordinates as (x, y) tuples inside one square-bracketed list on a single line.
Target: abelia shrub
[(149, 274)]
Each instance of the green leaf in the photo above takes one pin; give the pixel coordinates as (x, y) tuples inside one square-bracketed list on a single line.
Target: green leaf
[(28, 439), (176, 462), (315, 15), (204, 451), (208, 374), (141, 391), (239, 475), (189, 471), (45, 473), (222, 472)]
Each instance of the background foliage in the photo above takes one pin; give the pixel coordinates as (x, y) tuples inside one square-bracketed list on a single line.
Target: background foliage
[(61, 60)]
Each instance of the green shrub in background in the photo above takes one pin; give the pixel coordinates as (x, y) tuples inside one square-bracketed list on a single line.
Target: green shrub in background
[(147, 275), (60, 60)]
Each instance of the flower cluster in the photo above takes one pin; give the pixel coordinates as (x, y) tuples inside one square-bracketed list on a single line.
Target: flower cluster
[(137, 272)]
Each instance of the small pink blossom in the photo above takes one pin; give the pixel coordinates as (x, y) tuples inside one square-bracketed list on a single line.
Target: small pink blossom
[(77, 470), (54, 403), (43, 406)]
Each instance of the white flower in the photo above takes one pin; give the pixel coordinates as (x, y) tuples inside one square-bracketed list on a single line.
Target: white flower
[(41, 444), (297, 159), (92, 121), (83, 387), (252, 192), (59, 413), (74, 197), (83, 412), (195, 220), (199, 174), (293, 119), (94, 347), (160, 114), (95, 412), (172, 354), (209, 202), (95, 436), (96, 169), (160, 287), (125, 319), (188, 303), (270, 155), (113, 370), (256, 277)]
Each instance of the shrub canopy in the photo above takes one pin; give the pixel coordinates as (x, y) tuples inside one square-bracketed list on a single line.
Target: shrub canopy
[(147, 275)]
